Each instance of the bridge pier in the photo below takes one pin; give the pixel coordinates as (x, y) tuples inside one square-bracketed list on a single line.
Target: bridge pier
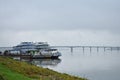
[(118, 48), (90, 49), (111, 48), (97, 49), (104, 49), (71, 49), (83, 49)]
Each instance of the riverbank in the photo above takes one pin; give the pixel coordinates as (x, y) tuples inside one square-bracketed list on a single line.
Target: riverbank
[(15, 70)]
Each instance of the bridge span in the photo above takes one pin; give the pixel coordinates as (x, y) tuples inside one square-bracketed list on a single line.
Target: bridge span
[(90, 47)]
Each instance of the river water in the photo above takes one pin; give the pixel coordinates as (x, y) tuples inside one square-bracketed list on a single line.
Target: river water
[(94, 65)]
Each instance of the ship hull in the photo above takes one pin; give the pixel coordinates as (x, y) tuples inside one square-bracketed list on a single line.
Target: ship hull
[(45, 57)]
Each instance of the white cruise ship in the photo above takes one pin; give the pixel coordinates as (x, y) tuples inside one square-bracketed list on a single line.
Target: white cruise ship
[(37, 49)]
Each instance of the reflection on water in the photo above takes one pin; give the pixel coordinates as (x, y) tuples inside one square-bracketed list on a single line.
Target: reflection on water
[(46, 62), (41, 62)]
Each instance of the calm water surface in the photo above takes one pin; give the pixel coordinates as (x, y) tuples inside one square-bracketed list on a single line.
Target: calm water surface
[(92, 65)]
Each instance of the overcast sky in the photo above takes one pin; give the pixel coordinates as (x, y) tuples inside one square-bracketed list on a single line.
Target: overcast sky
[(60, 22)]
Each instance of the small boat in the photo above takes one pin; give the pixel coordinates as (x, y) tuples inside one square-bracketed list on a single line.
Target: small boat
[(38, 50)]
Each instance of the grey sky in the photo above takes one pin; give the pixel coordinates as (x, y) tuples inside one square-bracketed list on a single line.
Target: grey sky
[(60, 22)]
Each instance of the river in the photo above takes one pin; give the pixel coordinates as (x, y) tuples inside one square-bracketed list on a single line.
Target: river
[(94, 65)]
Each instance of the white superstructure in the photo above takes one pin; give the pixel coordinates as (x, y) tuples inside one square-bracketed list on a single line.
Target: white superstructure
[(27, 46)]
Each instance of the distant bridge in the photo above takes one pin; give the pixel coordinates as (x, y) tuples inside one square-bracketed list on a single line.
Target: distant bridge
[(90, 47), (83, 47)]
